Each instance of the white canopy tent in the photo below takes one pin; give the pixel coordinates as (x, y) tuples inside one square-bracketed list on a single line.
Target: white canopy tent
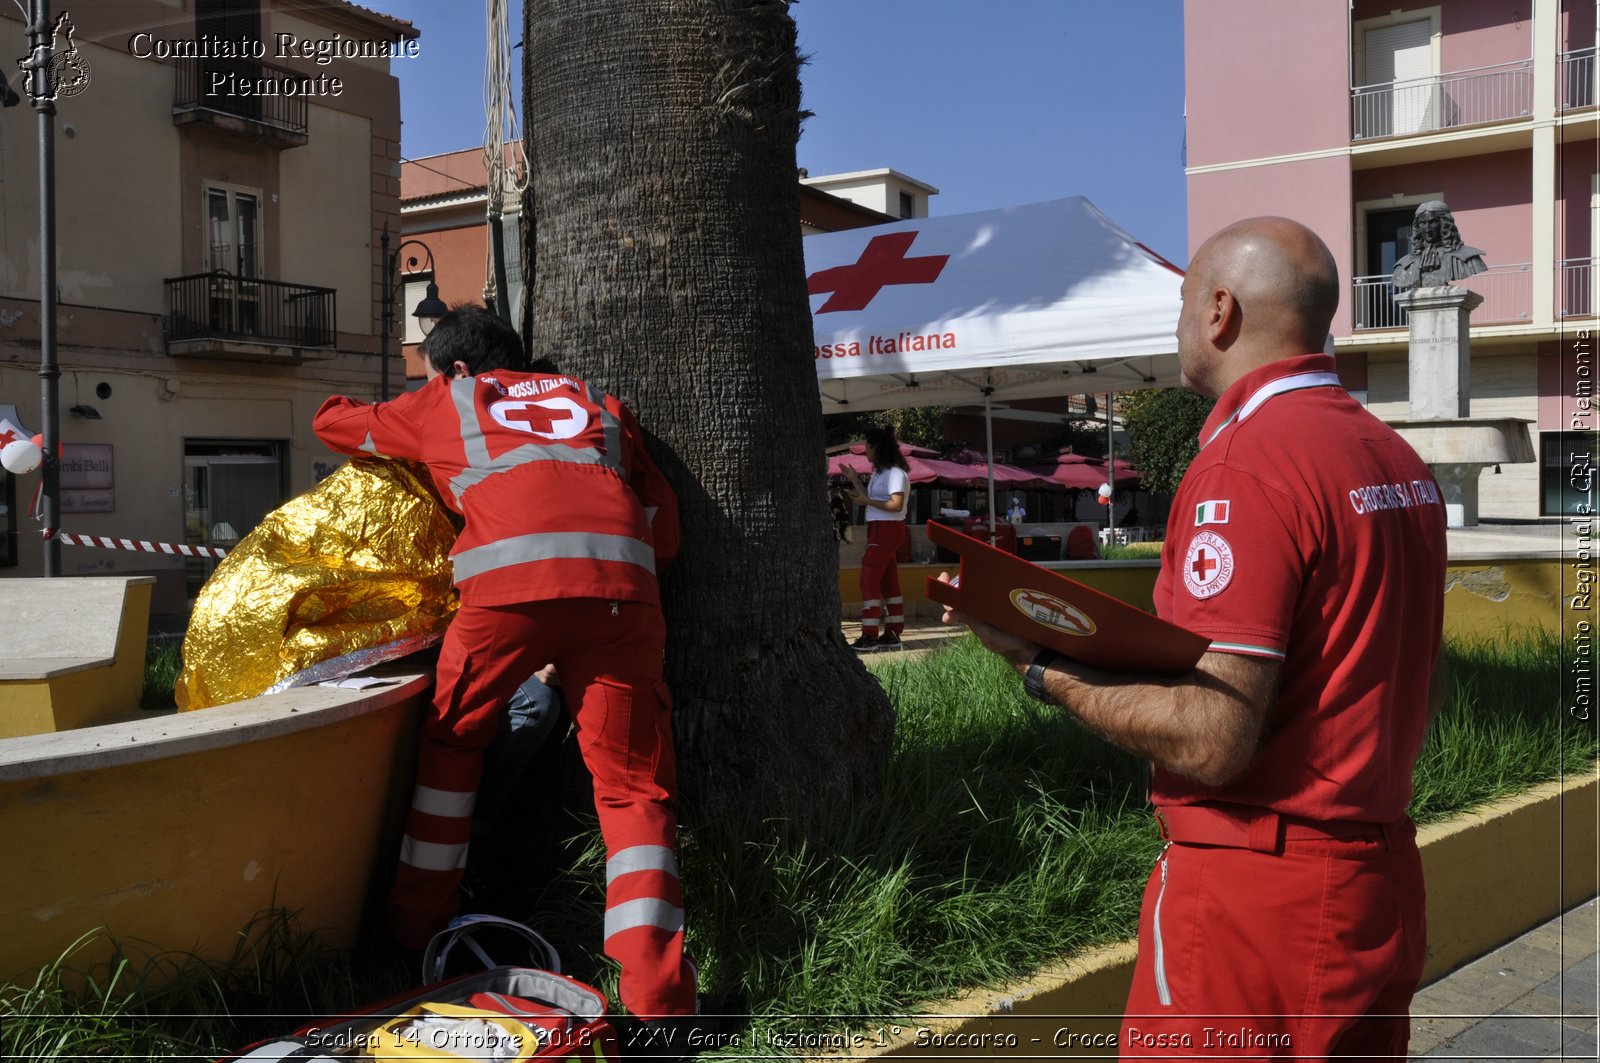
[(1023, 302)]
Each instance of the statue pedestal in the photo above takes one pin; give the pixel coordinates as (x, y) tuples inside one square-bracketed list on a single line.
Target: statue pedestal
[(1456, 446), (1440, 350)]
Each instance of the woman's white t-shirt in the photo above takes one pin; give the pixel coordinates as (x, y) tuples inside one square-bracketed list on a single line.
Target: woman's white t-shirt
[(884, 483)]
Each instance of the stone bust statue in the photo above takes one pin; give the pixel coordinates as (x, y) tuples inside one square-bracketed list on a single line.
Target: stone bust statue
[(1438, 257)]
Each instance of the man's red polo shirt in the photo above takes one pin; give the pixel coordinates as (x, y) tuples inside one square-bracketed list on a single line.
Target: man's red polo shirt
[(1306, 530)]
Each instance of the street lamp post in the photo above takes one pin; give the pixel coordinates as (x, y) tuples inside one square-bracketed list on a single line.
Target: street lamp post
[(427, 313), (42, 95)]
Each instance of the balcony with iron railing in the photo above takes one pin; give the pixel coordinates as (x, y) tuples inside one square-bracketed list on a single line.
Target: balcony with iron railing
[(228, 94), (231, 316), (1478, 96), (1578, 292), (1507, 298), (1578, 79)]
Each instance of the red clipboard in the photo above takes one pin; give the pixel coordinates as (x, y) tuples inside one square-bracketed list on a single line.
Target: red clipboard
[(1062, 614)]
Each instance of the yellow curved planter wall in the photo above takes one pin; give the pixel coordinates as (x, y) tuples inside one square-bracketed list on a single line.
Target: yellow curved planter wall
[(281, 802)]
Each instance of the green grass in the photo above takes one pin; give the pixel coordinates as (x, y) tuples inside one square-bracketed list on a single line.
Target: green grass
[(1007, 837), (1131, 552), (145, 1004), (162, 664), (1502, 730)]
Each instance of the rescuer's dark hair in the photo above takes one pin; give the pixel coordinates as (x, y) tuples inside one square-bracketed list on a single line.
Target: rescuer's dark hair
[(474, 335)]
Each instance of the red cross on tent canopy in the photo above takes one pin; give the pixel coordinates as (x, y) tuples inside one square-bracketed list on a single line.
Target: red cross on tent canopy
[(883, 263)]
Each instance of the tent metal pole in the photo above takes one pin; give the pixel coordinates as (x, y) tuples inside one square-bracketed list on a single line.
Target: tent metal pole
[(1111, 473), (988, 433)]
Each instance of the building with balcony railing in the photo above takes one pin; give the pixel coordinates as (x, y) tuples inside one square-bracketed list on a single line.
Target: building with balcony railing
[(1448, 101), (1488, 107), (211, 308), (217, 265), (276, 116)]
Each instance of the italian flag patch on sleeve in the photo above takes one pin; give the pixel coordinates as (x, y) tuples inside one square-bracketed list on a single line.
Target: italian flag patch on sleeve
[(1214, 511)]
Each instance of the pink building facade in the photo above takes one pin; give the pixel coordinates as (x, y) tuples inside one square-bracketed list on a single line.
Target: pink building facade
[(1375, 106)]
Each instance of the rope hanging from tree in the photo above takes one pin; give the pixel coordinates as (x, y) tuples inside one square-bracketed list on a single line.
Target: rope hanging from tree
[(501, 129)]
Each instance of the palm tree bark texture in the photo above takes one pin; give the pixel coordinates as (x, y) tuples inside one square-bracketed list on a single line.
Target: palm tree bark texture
[(665, 265)]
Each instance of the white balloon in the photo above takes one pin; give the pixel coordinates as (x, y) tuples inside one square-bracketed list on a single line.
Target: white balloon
[(1105, 491), (21, 456)]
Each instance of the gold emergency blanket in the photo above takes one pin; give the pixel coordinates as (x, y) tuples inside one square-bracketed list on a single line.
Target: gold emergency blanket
[(353, 566)]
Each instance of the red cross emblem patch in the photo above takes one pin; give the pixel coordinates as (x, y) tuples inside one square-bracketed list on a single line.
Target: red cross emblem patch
[(1208, 567), (554, 417)]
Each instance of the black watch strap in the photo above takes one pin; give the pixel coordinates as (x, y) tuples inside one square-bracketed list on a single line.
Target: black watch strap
[(1033, 678)]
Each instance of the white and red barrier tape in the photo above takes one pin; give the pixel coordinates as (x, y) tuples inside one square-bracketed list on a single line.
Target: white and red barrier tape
[(137, 544)]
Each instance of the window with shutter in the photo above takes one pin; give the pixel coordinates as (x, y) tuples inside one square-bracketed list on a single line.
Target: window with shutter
[(237, 22), (1400, 56)]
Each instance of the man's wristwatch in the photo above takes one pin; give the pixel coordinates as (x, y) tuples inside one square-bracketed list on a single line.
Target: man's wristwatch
[(1033, 678)]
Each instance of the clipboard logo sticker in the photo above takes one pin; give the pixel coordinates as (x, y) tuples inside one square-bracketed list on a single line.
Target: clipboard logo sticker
[(1208, 567), (1052, 612)]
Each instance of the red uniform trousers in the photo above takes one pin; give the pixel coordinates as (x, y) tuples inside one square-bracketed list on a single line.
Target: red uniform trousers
[(609, 657), (882, 607), (1312, 952)]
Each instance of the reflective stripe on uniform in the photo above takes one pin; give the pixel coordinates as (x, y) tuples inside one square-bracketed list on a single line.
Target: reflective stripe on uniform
[(647, 911), (455, 804), (641, 858), (1163, 990), (552, 546), (432, 856), (480, 466), (475, 474)]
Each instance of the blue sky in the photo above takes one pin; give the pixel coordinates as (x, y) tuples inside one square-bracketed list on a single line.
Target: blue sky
[(993, 102)]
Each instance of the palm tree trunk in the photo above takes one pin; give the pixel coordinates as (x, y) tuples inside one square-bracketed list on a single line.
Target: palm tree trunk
[(666, 267)]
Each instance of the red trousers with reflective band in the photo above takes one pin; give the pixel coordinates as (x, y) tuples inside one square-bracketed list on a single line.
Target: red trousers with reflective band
[(609, 658), (1311, 949), (882, 607)]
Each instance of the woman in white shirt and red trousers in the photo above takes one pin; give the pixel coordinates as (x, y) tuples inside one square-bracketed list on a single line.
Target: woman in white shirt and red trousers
[(883, 610)]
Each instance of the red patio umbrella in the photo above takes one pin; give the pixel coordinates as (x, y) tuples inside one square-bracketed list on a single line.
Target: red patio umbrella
[(1082, 476), (1124, 472), (1009, 475), (1079, 472), (922, 465)]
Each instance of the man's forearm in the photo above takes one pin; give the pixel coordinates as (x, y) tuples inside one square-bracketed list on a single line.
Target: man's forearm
[(1205, 725)]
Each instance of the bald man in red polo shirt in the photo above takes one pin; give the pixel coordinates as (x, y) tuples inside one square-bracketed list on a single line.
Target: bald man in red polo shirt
[(1285, 915)]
